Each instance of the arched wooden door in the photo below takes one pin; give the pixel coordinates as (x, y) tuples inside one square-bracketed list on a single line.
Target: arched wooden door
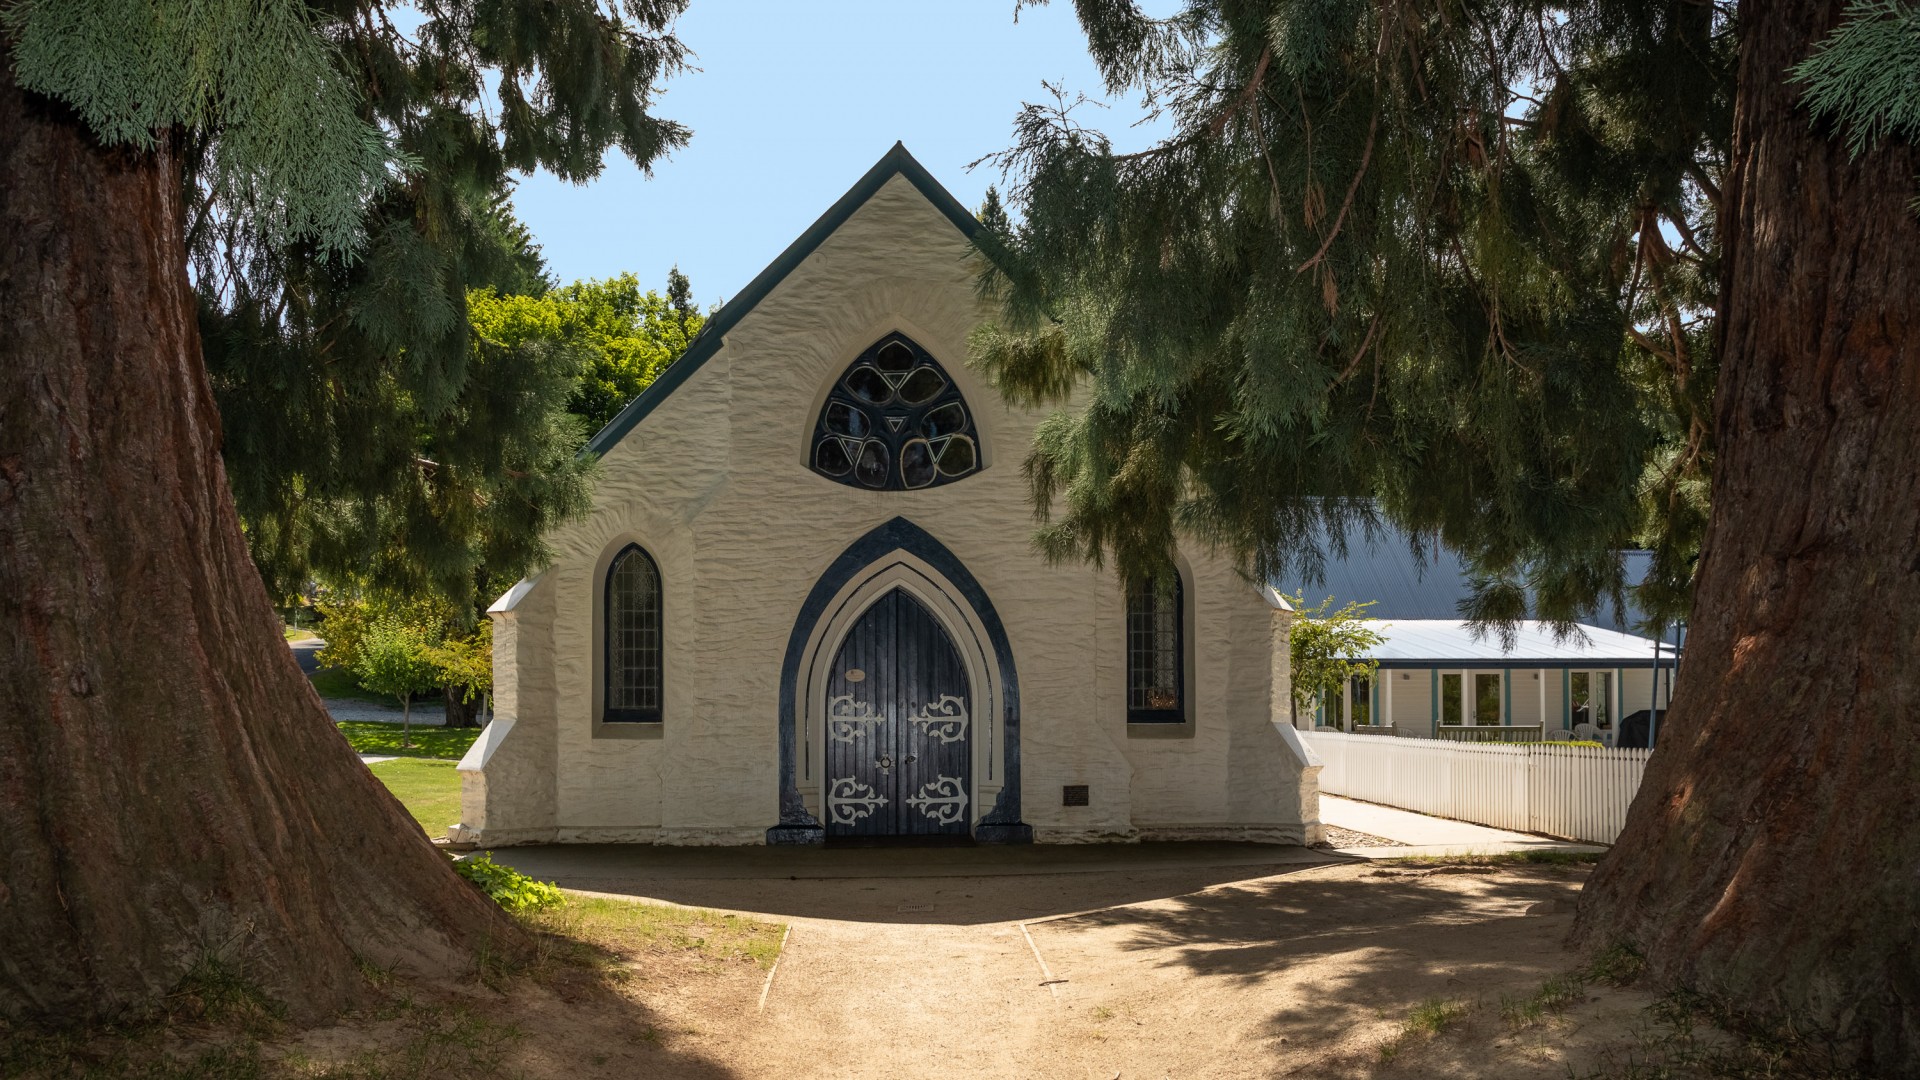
[(899, 727)]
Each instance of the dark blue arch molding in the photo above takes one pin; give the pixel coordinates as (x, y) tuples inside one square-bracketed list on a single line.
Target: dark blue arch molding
[(1002, 824)]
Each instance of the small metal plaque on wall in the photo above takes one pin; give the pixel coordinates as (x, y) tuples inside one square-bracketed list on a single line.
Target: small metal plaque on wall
[(1073, 795)]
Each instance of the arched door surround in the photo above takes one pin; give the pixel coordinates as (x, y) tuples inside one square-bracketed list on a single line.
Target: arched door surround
[(899, 555)]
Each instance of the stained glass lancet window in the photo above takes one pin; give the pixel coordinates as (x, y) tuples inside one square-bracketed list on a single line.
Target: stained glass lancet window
[(895, 421), (1156, 661), (634, 632)]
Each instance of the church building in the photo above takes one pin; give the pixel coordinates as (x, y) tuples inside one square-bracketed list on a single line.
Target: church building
[(805, 606)]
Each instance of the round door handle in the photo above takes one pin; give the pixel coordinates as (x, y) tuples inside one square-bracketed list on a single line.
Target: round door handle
[(885, 762)]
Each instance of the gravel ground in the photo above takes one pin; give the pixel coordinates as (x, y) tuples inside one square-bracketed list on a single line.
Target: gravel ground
[(432, 714)]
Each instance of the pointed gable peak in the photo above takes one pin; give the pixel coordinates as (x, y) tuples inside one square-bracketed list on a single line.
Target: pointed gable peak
[(895, 162)]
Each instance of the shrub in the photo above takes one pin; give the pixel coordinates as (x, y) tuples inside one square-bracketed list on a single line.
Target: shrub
[(343, 622), (465, 663), (347, 620), (511, 889)]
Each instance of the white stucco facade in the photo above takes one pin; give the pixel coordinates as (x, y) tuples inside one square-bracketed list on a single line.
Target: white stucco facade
[(764, 563)]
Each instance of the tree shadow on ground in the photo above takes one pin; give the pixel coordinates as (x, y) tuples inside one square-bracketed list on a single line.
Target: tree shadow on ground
[(569, 1020), (1319, 955), (958, 887), (582, 1012)]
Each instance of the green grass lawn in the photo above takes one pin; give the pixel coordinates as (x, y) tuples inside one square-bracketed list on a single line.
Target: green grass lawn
[(623, 927), (372, 737), (292, 633), (430, 790)]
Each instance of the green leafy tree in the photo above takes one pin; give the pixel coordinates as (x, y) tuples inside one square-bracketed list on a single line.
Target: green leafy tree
[(622, 338), (325, 184), (1327, 648), (465, 665), (462, 655), (1539, 283), (397, 658)]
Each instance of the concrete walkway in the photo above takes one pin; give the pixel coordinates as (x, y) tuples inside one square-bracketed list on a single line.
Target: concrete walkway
[(1424, 835)]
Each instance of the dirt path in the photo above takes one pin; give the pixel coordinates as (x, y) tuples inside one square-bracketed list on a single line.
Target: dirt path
[(1311, 971), (1137, 964), (865, 1000)]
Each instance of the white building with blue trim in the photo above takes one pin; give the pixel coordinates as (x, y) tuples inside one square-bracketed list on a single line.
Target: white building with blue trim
[(1440, 677), (805, 606)]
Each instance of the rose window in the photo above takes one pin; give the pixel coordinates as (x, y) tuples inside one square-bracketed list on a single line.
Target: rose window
[(894, 421)]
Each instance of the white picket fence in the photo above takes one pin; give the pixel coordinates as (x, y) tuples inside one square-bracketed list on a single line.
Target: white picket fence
[(1573, 792)]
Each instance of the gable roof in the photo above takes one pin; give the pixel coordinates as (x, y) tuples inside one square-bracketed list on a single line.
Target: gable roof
[(707, 342)]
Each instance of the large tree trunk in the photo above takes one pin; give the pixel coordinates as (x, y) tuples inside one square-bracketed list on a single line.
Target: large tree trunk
[(170, 787), (1774, 853), (460, 712)]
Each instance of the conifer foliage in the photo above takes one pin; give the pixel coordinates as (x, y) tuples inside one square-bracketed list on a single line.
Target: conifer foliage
[(1534, 280), (370, 432), (1452, 257)]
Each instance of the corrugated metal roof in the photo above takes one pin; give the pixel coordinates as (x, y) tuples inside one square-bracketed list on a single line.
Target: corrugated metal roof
[(1386, 571), (1425, 642)]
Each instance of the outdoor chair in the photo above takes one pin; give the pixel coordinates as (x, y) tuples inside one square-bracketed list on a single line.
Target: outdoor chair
[(1586, 733), (1559, 735)]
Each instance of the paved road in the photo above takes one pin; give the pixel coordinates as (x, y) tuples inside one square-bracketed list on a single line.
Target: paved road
[(303, 654)]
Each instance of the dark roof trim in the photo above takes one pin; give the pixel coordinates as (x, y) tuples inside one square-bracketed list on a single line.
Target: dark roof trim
[(708, 341)]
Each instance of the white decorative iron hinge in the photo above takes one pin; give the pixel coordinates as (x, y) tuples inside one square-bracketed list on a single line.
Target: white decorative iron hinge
[(849, 800), (848, 719), (944, 799), (945, 719)]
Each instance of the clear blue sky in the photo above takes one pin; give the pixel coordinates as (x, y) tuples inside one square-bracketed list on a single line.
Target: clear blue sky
[(795, 99)]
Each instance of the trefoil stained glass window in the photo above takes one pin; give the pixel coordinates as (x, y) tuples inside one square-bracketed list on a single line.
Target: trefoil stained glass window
[(895, 421)]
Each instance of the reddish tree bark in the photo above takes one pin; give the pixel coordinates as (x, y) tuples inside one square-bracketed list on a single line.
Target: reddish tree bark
[(1773, 854), (169, 783)]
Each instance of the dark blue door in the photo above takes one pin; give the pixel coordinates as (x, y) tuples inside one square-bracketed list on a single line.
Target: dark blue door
[(899, 727)]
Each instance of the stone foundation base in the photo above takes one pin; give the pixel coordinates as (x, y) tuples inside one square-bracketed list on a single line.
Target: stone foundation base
[(1299, 836), (492, 838), (1003, 834), (1049, 834), (795, 835)]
